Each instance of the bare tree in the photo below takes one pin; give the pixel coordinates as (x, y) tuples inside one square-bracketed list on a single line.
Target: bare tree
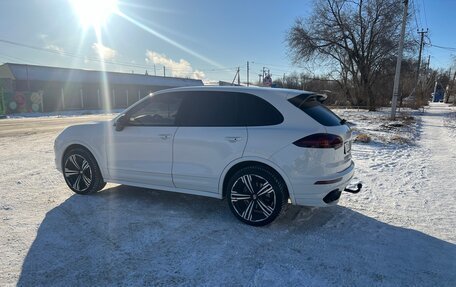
[(323, 85), (358, 37)]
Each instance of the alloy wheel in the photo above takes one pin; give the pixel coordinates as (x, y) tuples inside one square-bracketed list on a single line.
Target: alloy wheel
[(78, 172), (253, 198)]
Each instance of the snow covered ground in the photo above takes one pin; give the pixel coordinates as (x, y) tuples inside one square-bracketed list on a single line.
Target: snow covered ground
[(399, 231), (60, 114)]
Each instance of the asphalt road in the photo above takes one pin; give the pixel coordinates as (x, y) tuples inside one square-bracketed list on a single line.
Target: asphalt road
[(29, 126)]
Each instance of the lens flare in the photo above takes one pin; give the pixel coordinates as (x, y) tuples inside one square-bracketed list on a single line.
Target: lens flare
[(94, 13)]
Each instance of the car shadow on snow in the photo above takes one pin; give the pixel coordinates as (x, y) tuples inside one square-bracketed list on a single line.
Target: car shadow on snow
[(133, 236)]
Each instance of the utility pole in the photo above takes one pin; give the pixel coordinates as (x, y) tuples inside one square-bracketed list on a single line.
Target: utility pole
[(428, 63), (239, 76), (155, 71), (164, 71), (435, 90), (446, 98), (398, 63), (248, 74), (422, 32), (417, 76)]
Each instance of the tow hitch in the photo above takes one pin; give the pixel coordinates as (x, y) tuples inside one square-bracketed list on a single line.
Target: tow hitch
[(358, 188)]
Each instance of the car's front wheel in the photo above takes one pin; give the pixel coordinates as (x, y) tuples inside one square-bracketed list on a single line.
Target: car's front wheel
[(256, 196), (81, 171)]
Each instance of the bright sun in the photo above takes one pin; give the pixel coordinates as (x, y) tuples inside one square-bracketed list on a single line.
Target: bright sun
[(94, 13)]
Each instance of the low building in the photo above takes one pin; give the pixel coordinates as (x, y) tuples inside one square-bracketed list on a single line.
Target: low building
[(30, 88)]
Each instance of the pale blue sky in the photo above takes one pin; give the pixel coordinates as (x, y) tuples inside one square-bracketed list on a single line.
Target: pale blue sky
[(198, 38)]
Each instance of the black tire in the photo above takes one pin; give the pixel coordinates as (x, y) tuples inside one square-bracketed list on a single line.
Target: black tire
[(256, 195), (81, 171)]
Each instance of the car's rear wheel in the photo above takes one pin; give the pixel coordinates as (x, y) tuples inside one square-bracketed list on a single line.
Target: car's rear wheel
[(256, 195), (81, 171)]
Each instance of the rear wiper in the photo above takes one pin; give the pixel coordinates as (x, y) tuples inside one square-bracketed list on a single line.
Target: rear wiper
[(343, 121)]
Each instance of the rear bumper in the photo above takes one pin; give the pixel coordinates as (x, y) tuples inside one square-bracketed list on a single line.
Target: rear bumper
[(315, 192)]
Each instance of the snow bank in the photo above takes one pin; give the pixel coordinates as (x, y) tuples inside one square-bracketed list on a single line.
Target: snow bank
[(62, 114)]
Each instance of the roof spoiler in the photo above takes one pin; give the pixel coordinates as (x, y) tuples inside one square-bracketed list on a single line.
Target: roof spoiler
[(317, 97), (309, 97), (301, 99)]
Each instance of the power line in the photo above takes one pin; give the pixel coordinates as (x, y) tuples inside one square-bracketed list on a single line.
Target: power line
[(453, 49), (425, 17), (416, 8), (20, 60), (72, 55), (93, 59), (288, 69), (277, 65), (414, 14)]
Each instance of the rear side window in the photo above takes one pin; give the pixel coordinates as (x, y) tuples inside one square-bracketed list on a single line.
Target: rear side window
[(226, 109), (208, 108), (315, 110), (254, 111)]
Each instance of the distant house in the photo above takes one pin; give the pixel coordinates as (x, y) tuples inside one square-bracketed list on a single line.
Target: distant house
[(438, 96), (29, 88), (439, 93)]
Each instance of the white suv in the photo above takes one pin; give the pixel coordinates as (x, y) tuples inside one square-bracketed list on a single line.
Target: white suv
[(258, 147)]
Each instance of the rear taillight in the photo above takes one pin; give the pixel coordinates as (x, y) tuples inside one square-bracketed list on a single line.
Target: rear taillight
[(320, 141)]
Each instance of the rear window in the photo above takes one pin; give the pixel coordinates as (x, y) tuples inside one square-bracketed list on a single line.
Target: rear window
[(315, 110)]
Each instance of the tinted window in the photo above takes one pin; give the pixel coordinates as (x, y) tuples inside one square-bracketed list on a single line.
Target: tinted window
[(254, 111), (317, 111), (208, 108), (159, 110)]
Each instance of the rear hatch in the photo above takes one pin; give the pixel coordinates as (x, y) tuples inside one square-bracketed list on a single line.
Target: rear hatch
[(312, 105)]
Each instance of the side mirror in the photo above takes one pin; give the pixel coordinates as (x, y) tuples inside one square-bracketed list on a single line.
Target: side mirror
[(120, 123)]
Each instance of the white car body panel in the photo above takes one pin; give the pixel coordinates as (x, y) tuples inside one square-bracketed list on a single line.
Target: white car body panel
[(201, 154), (141, 154), (167, 188), (92, 136)]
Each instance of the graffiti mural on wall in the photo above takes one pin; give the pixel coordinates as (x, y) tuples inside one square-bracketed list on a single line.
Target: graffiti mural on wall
[(37, 101), (23, 102)]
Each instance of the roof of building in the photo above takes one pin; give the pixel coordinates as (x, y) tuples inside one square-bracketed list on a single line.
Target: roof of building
[(44, 73)]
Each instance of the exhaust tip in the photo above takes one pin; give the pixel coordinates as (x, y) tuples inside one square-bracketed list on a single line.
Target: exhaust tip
[(332, 196)]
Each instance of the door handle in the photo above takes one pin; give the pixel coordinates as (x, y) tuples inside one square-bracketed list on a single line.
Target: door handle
[(233, 139), (164, 136)]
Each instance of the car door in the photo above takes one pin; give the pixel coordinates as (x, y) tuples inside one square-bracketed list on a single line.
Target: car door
[(207, 140), (141, 153)]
